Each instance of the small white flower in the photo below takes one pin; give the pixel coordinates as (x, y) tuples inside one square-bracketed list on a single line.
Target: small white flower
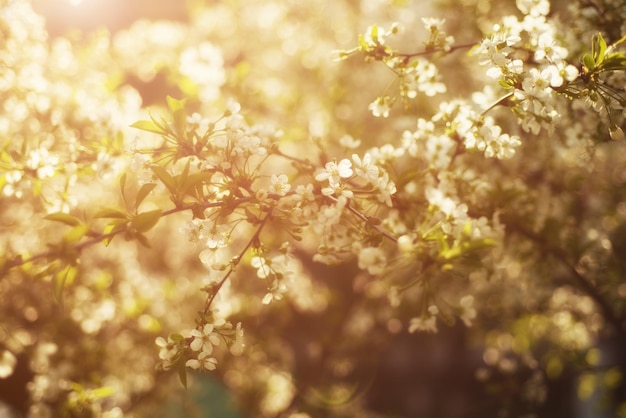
[(334, 172), (433, 23), (279, 184), (468, 313), (549, 50), (263, 268), (373, 259), (349, 142), (364, 167), (167, 352), (204, 340), (534, 7), (380, 107), (214, 258), (427, 322), (216, 236), (203, 361), (276, 292), (437, 198), (191, 230), (233, 106), (374, 36)]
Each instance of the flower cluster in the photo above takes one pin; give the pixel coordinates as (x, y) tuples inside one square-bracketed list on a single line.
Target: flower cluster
[(276, 271), (534, 89), (414, 74), (195, 348)]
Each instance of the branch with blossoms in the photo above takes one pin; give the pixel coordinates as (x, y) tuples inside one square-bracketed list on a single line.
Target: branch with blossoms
[(414, 74), (218, 172), (222, 172), (312, 199), (525, 59), (494, 207)]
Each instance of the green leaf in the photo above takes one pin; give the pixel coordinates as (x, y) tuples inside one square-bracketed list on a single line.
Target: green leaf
[(64, 218), (165, 178), (177, 107), (589, 62), (102, 392), (143, 192), (362, 44), (145, 221), (599, 56), (149, 126), (110, 213), (182, 375), (374, 33), (481, 244), (76, 233), (64, 278), (123, 188), (174, 104), (454, 252), (194, 182), (176, 337), (182, 178), (113, 226), (504, 84), (615, 61)]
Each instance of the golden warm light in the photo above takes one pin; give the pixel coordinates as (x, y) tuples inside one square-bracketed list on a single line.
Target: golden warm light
[(301, 209)]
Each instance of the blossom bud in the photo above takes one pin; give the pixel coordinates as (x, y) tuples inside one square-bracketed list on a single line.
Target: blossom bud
[(616, 133), (405, 244)]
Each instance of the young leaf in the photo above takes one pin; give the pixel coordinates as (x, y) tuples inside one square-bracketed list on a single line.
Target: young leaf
[(149, 126), (177, 107), (123, 188), (453, 252), (362, 43), (165, 178), (174, 104), (63, 278), (76, 233), (110, 213), (111, 228), (143, 192), (614, 62), (102, 392), (146, 220), (588, 62), (601, 49), (64, 218), (374, 33)]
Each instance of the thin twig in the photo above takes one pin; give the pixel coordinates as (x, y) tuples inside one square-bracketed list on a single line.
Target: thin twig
[(255, 238), (17, 262)]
